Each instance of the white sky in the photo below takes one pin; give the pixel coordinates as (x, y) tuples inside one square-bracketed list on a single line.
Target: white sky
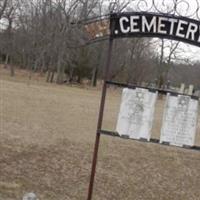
[(191, 52)]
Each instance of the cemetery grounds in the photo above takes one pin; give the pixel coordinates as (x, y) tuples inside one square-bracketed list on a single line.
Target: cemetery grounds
[(47, 135)]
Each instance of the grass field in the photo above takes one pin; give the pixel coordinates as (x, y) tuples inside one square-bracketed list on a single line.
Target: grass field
[(47, 135)]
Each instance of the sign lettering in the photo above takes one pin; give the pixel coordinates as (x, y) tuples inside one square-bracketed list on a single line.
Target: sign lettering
[(155, 25)]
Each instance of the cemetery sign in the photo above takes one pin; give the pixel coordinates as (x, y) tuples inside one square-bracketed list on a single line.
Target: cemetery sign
[(142, 24)]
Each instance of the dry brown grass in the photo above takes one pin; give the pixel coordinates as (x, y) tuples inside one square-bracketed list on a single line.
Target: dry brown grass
[(47, 134)]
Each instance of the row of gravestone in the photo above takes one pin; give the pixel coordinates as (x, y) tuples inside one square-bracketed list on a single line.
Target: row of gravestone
[(136, 116), (190, 90)]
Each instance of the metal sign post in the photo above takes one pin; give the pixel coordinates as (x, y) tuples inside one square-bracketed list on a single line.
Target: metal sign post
[(100, 119)]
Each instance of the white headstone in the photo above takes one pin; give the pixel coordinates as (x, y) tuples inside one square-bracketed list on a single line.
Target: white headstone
[(191, 88), (182, 88), (30, 196), (179, 121), (136, 114)]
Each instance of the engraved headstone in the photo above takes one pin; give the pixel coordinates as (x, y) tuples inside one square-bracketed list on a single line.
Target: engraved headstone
[(179, 121), (136, 113)]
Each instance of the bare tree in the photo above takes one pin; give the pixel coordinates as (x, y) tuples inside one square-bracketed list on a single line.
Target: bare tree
[(3, 7), (170, 52), (7, 14)]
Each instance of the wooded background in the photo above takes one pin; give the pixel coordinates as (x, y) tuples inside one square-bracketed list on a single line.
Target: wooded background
[(44, 36)]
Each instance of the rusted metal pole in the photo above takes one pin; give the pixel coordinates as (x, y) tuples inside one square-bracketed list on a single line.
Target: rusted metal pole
[(100, 120)]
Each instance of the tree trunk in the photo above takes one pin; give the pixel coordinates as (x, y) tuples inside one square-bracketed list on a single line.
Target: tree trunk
[(12, 70), (79, 79), (48, 76), (60, 71), (52, 76), (160, 67), (25, 61), (6, 61), (94, 77), (71, 75), (43, 67), (35, 65)]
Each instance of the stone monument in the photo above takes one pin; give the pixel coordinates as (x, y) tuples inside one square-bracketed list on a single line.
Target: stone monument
[(179, 121), (136, 114)]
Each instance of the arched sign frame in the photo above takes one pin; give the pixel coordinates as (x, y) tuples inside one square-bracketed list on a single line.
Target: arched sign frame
[(146, 24), (141, 24)]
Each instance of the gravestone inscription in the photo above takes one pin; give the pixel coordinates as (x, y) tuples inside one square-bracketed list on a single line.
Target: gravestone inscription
[(179, 121), (135, 118)]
